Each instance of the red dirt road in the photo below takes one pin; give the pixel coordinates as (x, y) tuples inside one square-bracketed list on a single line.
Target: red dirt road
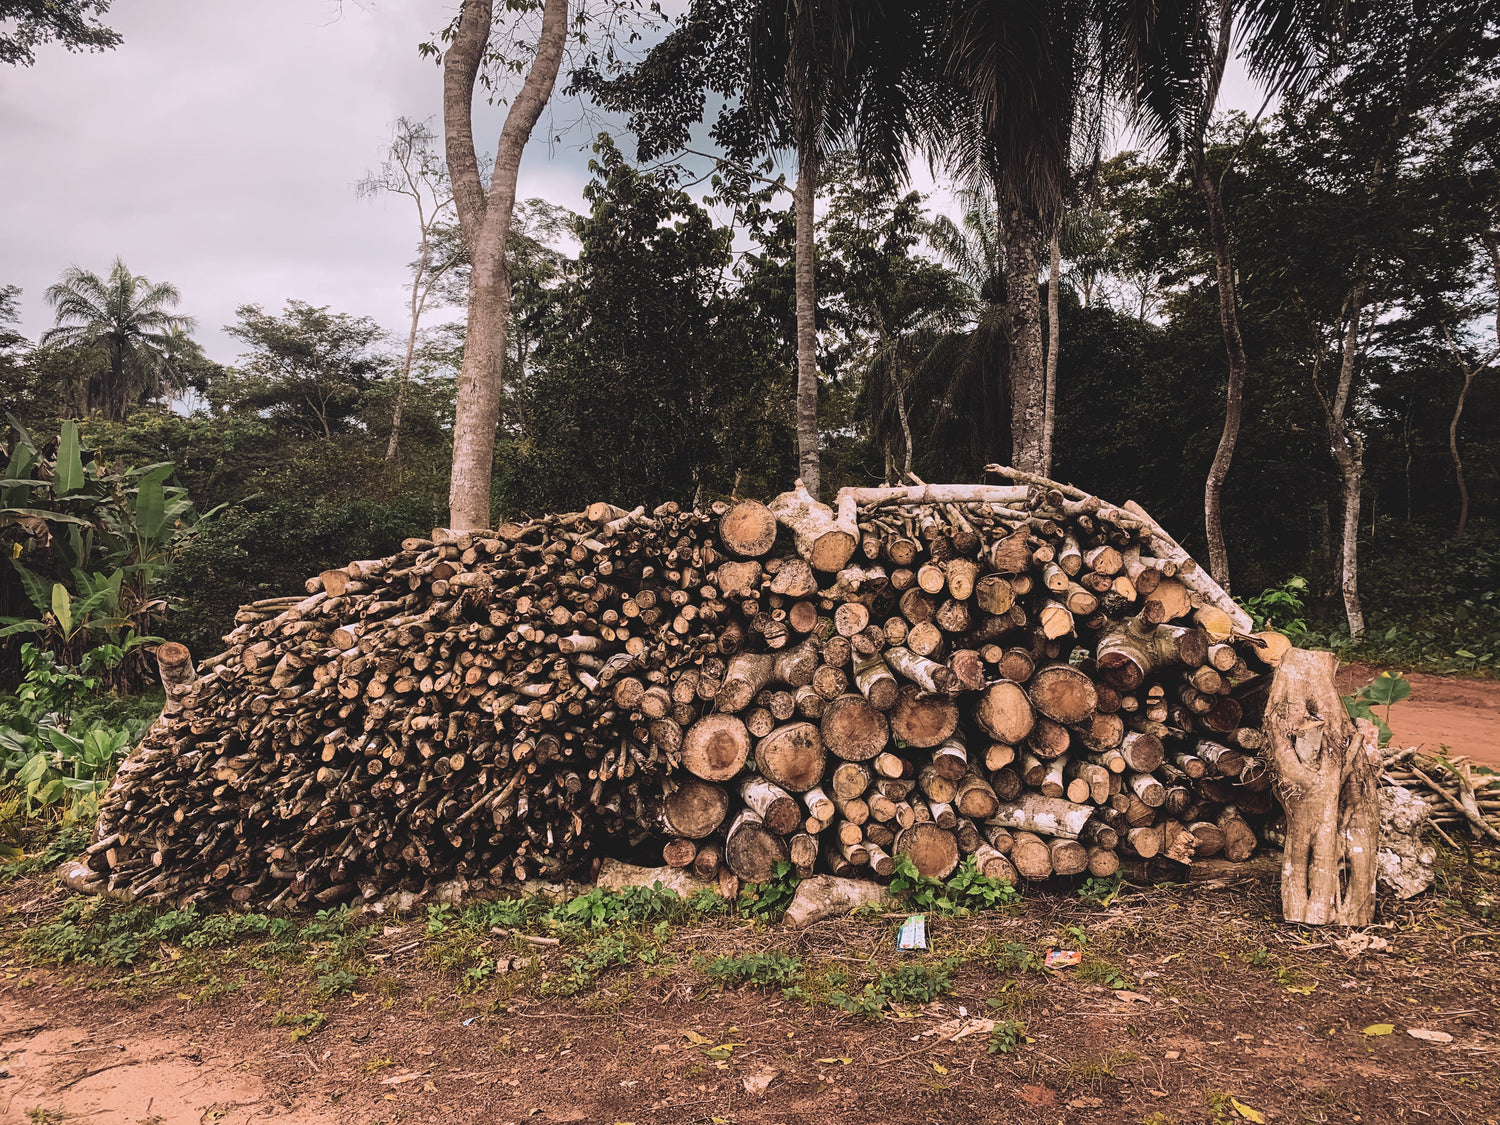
[(1463, 715)]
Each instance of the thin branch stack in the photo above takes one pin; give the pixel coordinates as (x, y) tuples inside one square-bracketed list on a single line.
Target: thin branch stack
[(1021, 673)]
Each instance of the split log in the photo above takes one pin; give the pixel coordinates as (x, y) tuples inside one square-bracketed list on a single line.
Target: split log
[(825, 538)]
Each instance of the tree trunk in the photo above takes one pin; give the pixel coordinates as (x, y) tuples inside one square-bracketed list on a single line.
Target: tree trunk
[(1325, 767), (417, 301), (485, 222), (1348, 450), (1234, 350), (1028, 394), (807, 337), (1054, 338), (1458, 464)]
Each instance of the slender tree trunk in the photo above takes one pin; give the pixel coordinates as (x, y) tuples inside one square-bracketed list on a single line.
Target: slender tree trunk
[(1028, 379), (1406, 436), (418, 299), (114, 395), (905, 417), (1348, 450), (807, 303), (1234, 350), (1458, 462), (1054, 338), (485, 222)]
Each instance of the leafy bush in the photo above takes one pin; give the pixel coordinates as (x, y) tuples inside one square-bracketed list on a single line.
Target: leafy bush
[(915, 983), (768, 901), (1006, 1036), (1385, 690), (1014, 957), (88, 544), (263, 548), (771, 969), (49, 759), (965, 891)]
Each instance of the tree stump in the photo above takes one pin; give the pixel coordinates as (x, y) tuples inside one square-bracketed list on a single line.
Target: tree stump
[(1325, 767)]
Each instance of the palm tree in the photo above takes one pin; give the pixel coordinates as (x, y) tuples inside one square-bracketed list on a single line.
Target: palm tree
[(127, 318), (821, 75), (1022, 104)]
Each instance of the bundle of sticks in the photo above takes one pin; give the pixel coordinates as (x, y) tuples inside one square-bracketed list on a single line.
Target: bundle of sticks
[(1457, 797), (1019, 672)]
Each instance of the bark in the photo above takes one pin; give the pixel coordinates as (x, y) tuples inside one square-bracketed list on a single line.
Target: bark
[(1348, 450), (1325, 769), (418, 300), (806, 304), (485, 222), (1054, 339), (1453, 454), (1234, 349), (1028, 379)]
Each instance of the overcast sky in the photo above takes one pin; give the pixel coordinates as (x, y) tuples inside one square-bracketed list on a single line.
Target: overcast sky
[(218, 147)]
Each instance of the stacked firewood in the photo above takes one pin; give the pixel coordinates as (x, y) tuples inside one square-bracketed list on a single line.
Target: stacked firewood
[(1021, 673)]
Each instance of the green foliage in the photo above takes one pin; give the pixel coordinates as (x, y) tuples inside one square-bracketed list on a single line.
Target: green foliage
[(87, 545), (72, 23), (48, 758), (768, 970), (302, 1024), (914, 983), (965, 892), (1282, 608), (1006, 1036), (1016, 957), (1102, 891), (768, 901), (633, 906), (1385, 690), (268, 548), (651, 381), (306, 369), (102, 932), (1094, 971)]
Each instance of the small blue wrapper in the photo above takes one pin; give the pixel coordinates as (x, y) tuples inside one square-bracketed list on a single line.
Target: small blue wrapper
[(913, 933)]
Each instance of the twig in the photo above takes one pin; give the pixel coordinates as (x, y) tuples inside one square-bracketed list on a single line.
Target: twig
[(1477, 821)]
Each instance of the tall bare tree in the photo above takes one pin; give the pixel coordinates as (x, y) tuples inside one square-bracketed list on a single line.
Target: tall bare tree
[(414, 167), (484, 216)]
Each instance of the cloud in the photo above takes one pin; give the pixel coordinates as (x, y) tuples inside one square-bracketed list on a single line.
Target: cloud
[(218, 148)]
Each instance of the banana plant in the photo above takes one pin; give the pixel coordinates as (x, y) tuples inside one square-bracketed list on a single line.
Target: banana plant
[(87, 543)]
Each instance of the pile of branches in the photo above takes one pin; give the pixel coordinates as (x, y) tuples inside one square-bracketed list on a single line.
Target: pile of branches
[(1022, 673)]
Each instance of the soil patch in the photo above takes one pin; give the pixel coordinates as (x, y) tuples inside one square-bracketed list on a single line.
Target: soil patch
[(1463, 715), (1188, 1002)]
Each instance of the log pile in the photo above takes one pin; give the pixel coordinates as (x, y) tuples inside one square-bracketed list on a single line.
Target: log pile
[(1021, 673)]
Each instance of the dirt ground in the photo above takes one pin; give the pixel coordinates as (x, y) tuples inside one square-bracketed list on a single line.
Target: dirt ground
[(1463, 715), (1190, 1005)]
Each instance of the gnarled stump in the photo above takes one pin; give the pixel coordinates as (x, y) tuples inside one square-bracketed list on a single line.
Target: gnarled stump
[(1325, 767)]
